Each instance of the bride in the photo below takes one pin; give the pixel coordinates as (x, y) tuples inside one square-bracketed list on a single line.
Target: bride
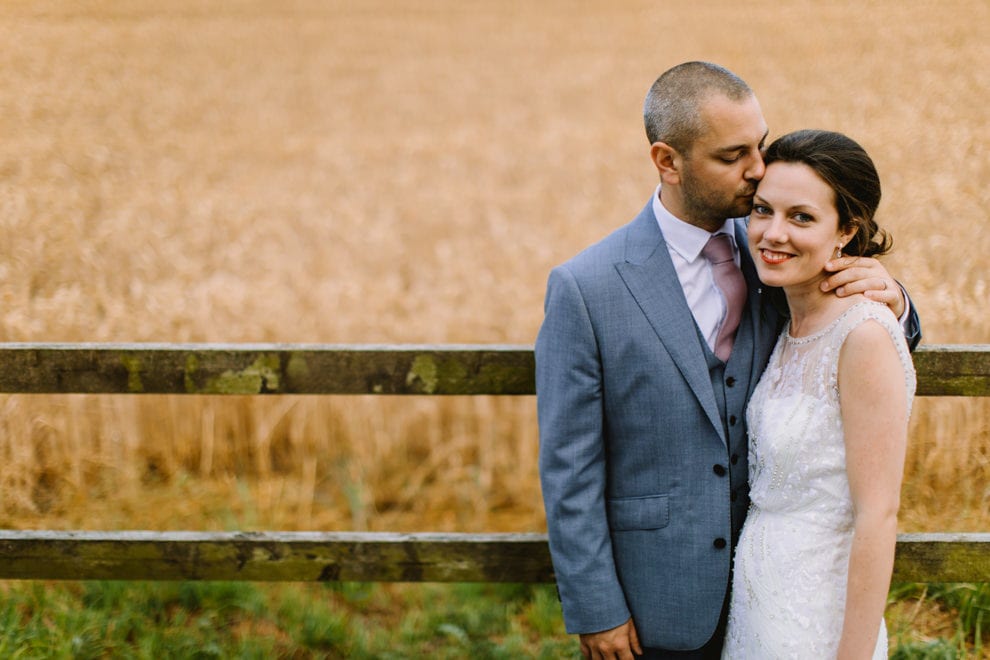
[(827, 422)]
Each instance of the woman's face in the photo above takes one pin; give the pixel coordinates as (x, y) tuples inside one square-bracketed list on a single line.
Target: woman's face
[(794, 226)]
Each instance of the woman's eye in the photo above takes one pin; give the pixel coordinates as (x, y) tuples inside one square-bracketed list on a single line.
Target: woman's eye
[(803, 217), (760, 209)]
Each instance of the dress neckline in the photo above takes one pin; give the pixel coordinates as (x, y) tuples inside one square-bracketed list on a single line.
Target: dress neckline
[(828, 328)]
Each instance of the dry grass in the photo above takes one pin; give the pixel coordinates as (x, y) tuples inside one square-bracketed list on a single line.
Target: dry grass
[(409, 172)]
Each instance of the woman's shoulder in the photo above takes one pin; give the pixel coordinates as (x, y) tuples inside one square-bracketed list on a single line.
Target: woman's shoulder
[(871, 334), (865, 323), (870, 330), (860, 310)]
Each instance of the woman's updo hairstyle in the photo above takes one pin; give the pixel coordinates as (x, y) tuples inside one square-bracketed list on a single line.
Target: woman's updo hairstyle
[(848, 170)]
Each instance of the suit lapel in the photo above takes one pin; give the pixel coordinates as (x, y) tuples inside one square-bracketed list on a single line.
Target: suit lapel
[(650, 276)]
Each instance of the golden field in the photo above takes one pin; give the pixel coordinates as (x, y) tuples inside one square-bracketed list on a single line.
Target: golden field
[(408, 172)]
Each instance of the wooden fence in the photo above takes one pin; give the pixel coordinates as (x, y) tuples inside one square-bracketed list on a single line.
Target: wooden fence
[(278, 369)]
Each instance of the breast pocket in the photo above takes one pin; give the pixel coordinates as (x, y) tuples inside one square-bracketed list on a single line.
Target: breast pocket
[(629, 513)]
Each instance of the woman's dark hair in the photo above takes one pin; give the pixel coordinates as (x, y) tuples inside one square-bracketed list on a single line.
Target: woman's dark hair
[(848, 170)]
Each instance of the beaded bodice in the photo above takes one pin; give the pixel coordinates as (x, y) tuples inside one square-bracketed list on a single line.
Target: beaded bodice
[(797, 454), (791, 562)]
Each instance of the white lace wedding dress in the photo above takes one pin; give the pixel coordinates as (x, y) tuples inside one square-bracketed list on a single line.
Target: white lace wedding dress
[(790, 567)]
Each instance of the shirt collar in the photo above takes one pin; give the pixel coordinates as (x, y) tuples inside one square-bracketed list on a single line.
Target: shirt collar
[(686, 239)]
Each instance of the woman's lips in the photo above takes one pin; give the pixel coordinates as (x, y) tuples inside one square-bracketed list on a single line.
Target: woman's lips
[(771, 257)]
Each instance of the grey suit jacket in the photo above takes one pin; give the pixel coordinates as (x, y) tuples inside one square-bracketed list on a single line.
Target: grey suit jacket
[(629, 433)]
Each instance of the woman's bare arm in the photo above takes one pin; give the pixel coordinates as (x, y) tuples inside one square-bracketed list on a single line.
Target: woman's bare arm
[(873, 399)]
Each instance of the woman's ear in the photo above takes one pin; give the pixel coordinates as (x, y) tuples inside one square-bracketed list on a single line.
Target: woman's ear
[(847, 234), (668, 162)]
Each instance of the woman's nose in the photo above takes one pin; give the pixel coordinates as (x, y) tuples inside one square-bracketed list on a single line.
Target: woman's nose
[(776, 230)]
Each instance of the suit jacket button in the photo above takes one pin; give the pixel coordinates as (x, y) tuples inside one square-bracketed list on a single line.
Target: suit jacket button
[(719, 543), (719, 469), (732, 420), (730, 381)]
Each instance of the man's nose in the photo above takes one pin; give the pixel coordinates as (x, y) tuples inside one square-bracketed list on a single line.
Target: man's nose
[(757, 169)]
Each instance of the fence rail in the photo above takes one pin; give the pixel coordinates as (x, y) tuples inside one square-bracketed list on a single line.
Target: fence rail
[(273, 369), (943, 370), (371, 557)]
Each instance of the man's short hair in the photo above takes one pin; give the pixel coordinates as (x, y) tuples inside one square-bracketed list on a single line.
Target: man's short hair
[(671, 111)]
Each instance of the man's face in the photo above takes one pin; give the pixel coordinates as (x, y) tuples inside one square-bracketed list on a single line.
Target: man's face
[(721, 169)]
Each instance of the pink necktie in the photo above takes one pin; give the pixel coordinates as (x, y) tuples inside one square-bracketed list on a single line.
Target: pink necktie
[(729, 279)]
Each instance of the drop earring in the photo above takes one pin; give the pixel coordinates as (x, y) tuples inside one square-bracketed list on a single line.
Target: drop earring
[(838, 251)]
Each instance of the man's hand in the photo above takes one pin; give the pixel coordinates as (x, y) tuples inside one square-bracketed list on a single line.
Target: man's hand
[(620, 642), (864, 275)]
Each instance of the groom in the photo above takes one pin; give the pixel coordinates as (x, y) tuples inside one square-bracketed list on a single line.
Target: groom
[(644, 366)]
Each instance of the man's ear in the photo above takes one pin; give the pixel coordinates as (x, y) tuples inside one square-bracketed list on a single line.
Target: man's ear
[(668, 162)]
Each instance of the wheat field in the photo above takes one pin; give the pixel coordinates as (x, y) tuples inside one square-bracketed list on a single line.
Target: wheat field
[(409, 172)]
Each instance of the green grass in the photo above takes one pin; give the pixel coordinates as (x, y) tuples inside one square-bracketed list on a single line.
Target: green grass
[(164, 620), (247, 620), (970, 607)]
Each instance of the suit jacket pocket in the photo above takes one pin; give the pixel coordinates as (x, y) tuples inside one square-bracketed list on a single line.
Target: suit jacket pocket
[(628, 513)]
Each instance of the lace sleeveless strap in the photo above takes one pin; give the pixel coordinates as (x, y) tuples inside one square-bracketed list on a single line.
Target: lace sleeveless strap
[(859, 314)]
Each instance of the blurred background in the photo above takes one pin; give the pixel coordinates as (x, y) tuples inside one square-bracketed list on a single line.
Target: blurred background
[(409, 172)]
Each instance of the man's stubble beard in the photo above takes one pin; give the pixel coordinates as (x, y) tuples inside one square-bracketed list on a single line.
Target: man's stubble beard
[(709, 210)]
